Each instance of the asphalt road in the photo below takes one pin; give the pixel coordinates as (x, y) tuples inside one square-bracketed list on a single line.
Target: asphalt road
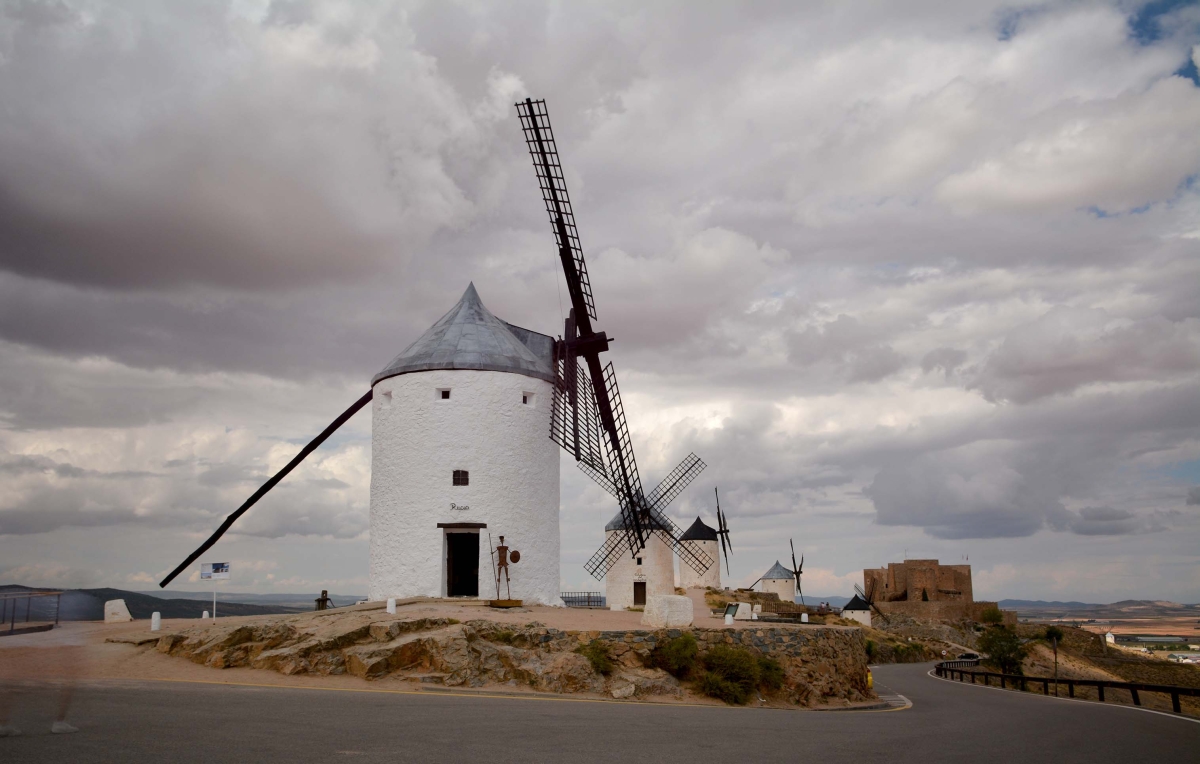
[(185, 722)]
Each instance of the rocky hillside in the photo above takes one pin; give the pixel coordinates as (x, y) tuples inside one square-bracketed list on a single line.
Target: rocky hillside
[(820, 665)]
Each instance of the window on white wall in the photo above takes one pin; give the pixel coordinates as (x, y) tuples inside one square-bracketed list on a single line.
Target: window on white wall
[(461, 477), (443, 393), (527, 399)]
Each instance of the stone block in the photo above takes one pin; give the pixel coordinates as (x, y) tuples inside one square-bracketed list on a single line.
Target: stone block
[(664, 611), (115, 611)]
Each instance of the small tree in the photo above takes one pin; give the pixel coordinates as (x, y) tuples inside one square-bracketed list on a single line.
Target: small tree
[(1054, 635), (1004, 649), (991, 615)]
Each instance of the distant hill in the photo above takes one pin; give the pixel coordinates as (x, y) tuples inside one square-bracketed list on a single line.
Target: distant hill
[(88, 605), (142, 605), (816, 600), (1044, 604)]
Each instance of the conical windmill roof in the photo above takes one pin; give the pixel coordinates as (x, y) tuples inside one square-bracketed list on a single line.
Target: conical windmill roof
[(618, 522), (698, 531), (856, 603), (470, 337), (778, 571)]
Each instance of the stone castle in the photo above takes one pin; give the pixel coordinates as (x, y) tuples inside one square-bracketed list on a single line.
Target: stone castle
[(928, 589), (920, 581)]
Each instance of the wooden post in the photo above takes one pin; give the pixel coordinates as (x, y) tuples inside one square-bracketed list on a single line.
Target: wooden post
[(1046, 687), (1070, 688), (1175, 702), (1136, 700), (1002, 681), (1100, 689), (1056, 667)]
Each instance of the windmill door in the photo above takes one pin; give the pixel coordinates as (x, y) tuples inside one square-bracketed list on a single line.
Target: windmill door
[(462, 564), (639, 593)]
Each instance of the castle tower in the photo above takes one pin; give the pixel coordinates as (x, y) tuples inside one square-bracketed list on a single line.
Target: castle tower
[(705, 538), (781, 581), (460, 450), (632, 579)]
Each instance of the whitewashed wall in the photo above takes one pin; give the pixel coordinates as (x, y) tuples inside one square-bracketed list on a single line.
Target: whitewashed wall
[(657, 570), (689, 578), (418, 440), (862, 616), (784, 587)]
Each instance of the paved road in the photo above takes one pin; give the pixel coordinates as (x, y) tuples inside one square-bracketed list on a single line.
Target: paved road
[(182, 722)]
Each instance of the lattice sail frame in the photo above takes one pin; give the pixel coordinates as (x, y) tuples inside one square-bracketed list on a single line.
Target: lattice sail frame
[(550, 176), (601, 447)]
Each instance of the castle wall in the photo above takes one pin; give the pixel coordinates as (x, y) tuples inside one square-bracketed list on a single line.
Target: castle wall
[(911, 579)]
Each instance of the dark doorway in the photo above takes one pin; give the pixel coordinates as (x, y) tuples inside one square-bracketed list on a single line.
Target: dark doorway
[(639, 593), (462, 564)]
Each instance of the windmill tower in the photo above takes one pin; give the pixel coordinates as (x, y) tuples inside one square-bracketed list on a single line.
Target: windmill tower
[(705, 538), (651, 571), (781, 581), (459, 449)]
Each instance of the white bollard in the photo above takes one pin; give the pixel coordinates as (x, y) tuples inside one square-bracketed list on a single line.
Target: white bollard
[(804, 618), (205, 616), (729, 619), (155, 621), (391, 607)]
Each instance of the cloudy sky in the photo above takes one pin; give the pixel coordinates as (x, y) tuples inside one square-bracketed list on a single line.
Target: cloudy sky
[(916, 278)]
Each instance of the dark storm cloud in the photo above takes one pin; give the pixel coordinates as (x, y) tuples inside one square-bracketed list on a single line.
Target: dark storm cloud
[(867, 262)]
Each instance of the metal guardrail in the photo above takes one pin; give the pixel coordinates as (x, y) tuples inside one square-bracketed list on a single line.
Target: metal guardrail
[(10, 604), (584, 599), (958, 670)]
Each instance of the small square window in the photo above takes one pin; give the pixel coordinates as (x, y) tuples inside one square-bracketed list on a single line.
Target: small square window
[(639, 560), (525, 398), (444, 394), (461, 477)]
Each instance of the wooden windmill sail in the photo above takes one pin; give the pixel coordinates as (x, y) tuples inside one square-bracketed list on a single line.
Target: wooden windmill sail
[(868, 596), (588, 420)]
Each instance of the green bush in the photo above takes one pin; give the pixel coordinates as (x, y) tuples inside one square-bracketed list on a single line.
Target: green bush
[(991, 615), (871, 648), (734, 666), (770, 674), (503, 636), (1004, 649), (720, 688), (1053, 634), (676, 656), (597, 654)]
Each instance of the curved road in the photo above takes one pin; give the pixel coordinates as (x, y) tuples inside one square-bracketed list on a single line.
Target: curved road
[(185, 722)]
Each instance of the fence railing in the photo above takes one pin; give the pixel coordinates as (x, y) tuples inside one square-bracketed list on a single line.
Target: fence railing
[(10, 606), (583, 599), (960, 670)]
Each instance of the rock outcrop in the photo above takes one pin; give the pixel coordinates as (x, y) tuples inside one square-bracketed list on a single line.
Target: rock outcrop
[(821, 664)]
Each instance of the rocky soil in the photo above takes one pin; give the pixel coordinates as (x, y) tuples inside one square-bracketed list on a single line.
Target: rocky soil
[(822, 664)]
